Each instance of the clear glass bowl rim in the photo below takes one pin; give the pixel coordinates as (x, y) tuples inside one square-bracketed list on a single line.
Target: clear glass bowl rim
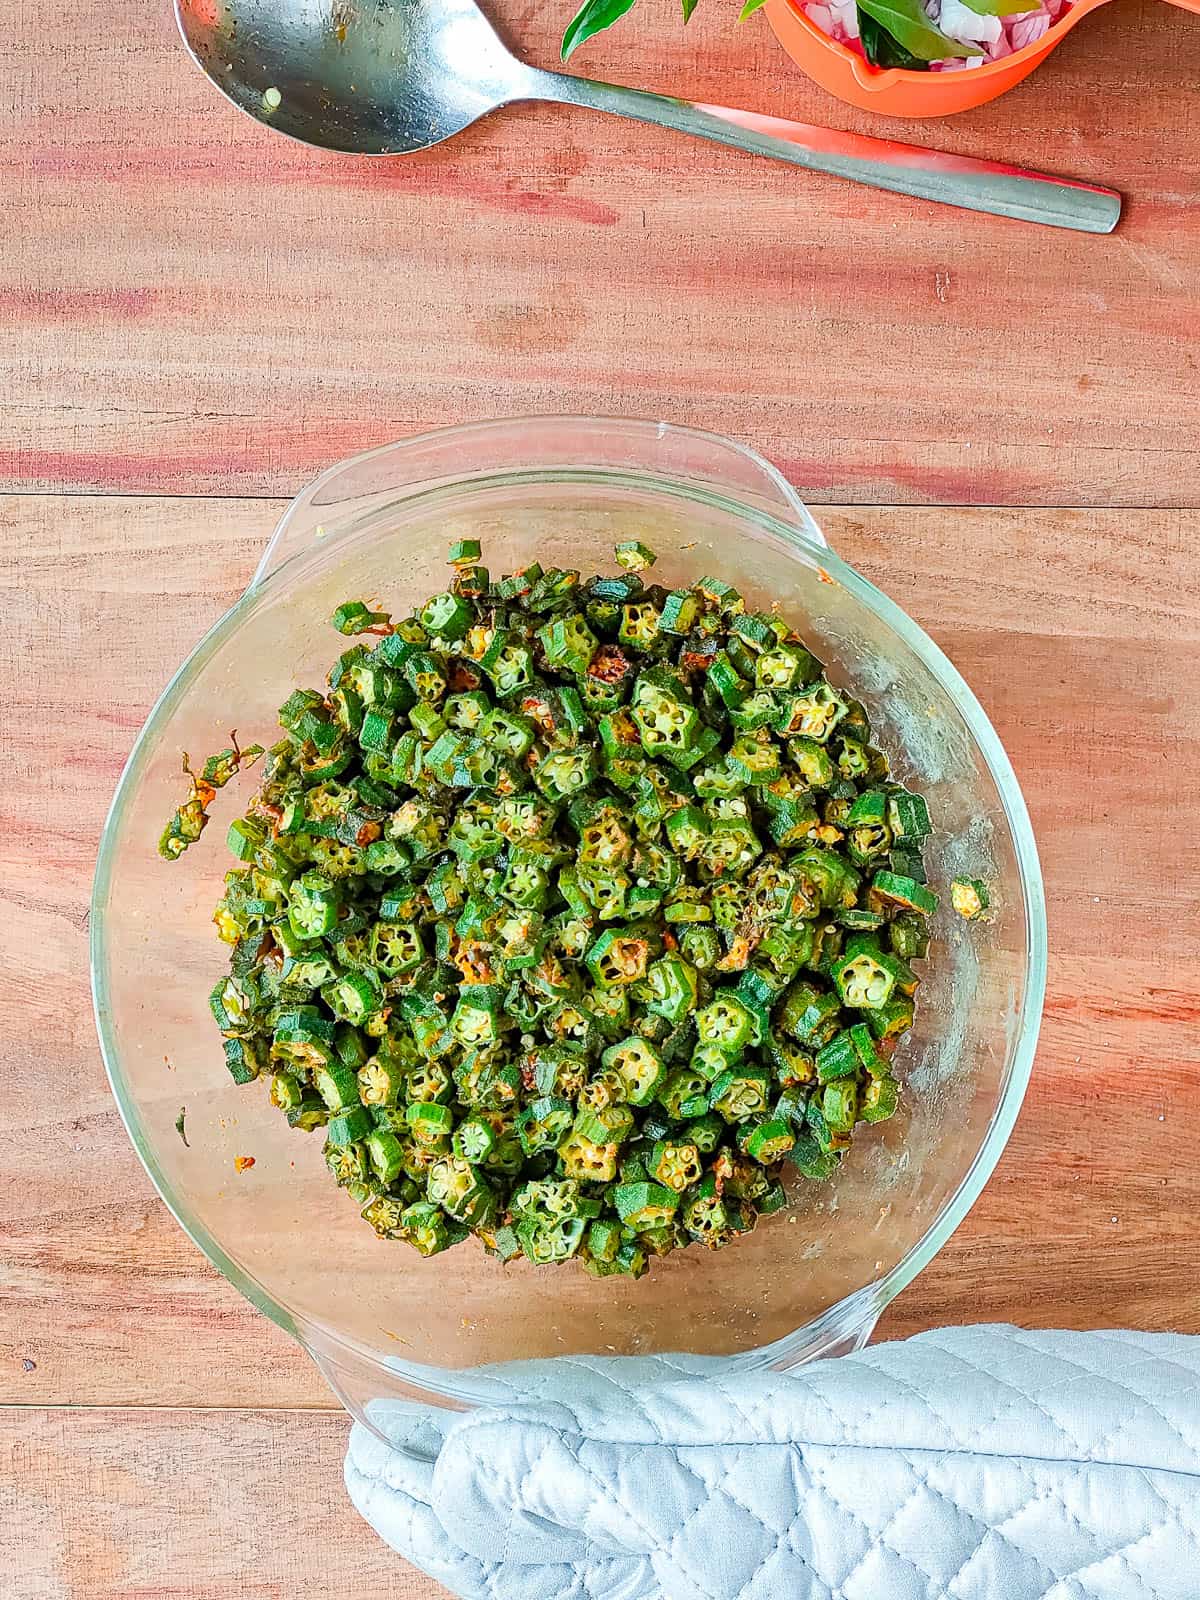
[(864, 1305)]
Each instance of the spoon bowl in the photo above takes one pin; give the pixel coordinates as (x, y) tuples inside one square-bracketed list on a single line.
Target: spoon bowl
[(390, 77), (375, 79)]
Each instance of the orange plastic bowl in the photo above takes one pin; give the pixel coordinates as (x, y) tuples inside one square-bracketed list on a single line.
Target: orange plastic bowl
[(899, 93)]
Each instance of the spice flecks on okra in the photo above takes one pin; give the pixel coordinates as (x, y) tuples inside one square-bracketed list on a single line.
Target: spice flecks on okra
[(573, 913)]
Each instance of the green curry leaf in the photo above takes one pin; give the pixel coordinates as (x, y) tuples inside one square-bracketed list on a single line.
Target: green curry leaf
[(907, 23), (881, 50), (592, 17)]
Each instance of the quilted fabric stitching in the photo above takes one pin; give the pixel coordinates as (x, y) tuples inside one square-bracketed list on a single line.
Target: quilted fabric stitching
[(1121, 1557), (753, 1417), (793, 1527), (749, 1418), (605, 1491), (1048, 1492), (1044, 1494), (926, 1577), (594, 1578), (1091, 1375), (998, 1530), (705, 1492), (748, 1584), (1056, 1424), (1001, 1383), (881, 1536), (1151, 1359), (898, 1382), (708, 1491), (923, 1401), (486, 1573), (723, 1488), (810, 1394), (849, 1511), (1145, 1400), (626, 1394), (1049, 1347), (964, 1449), (1172, 1513)]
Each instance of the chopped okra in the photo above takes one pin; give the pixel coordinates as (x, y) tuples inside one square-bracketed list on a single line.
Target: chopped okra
[(575, 912), (970, 898)]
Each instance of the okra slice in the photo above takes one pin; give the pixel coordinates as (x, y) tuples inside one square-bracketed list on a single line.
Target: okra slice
[(544, 1123), (547, 1242), (638, 1065), (768, 1141), (644, 1205), (618, 957), (672, 987), (811, 1160), (728, 1022), (908, 817), (244, 1059), (590, 1160), (684, 1094), (706, 1216), (970, 897), (675, 1163), (866, 978), (446, 615), (349, 1127), (890, 889), (740, 1092), (879, 1100), (337, 1084), (808, 1014), (634, 556), (425, 1226), (838, 1059)]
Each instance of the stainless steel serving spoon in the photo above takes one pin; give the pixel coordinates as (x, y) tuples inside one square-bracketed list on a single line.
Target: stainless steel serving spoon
[(387, 77)]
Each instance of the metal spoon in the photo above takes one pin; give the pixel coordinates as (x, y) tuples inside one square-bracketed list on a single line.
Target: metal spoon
[(385, 77)]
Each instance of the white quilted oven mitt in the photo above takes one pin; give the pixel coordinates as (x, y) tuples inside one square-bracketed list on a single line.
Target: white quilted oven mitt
[(979, 1463)]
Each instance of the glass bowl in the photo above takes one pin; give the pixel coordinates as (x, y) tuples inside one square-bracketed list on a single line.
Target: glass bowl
[(381, 1321)]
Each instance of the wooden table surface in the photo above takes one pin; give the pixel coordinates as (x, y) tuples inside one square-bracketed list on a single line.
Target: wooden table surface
[(197, 315)]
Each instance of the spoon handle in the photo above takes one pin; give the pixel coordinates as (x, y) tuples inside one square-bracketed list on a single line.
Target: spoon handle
[(883, 163)]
